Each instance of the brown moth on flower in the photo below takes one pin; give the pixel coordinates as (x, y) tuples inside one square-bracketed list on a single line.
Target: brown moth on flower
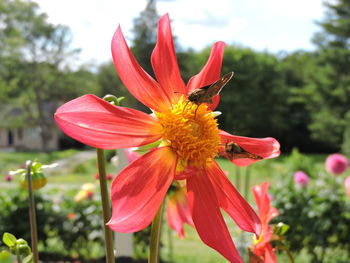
[(234, 151), (207, 93)]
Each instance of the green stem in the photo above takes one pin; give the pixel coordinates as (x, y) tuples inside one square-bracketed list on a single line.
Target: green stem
[(18, 257), (155, 236), (32, 215), (105, 206), (170, 244), (290, 257)]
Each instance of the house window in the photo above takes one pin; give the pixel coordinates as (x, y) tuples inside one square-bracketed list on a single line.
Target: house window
[(10, 137)]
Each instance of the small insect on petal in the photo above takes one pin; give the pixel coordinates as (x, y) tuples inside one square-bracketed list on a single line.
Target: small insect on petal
[(234, 151), (206, 94)]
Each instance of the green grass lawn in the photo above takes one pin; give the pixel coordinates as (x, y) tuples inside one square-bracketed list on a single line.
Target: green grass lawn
[(190, 249)]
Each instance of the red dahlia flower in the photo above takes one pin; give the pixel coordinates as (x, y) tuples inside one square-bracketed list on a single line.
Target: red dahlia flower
[(262, 246), (189, 144)]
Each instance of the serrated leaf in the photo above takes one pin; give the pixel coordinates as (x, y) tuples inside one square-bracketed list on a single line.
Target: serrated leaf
[(9, 239)]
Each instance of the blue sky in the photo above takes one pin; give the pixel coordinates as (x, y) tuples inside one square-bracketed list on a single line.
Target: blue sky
[(272, 25)]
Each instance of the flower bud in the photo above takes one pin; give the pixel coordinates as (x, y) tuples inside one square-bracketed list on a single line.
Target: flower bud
[(38, 180), (23, 250)]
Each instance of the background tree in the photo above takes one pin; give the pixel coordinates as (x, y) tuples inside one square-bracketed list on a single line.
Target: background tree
[(35, 71), (330, 86), (145, 35), (110, 83)]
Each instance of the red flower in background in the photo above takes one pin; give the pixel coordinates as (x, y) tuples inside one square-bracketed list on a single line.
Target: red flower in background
[(190, 140), (109, 176), (262, 246), (177, 210)]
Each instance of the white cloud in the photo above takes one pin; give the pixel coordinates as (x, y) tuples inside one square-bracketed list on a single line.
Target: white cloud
[(268, 24)]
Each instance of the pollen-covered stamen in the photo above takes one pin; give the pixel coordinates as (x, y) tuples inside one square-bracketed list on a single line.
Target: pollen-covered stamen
[(192, 132)]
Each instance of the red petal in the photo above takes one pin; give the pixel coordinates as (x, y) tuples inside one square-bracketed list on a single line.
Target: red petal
[(174, 218), (216, 101), (207, 217), (264, 147), (232, 202), (139, 189), (266, 212), (270, 256), (209, 73), (164, 61), (100, 124), (139, 83), (261, 198), (178, 212)]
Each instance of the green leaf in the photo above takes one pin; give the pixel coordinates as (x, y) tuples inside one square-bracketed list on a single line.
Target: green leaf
[(146, 148), (282, 229), (28, 259), (36, 167), (5, 257), (9, 239)]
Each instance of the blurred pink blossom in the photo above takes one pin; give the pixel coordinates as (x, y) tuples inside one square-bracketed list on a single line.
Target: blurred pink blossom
[(347, 185), (131, 155), (109, 176), (336, 163), (301, 178), (8, 178)]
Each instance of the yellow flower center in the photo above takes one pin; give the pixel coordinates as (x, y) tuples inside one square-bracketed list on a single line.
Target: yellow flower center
[(192, 132), (257, 241)]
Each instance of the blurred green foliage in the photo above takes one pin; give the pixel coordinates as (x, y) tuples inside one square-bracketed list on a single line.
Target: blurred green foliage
[(318, 214), (66, 228)]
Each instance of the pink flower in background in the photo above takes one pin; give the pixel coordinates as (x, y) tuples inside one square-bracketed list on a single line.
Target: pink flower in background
[(301, 178), (131, 155), (336, 163), (347, 185), (8, 178)]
